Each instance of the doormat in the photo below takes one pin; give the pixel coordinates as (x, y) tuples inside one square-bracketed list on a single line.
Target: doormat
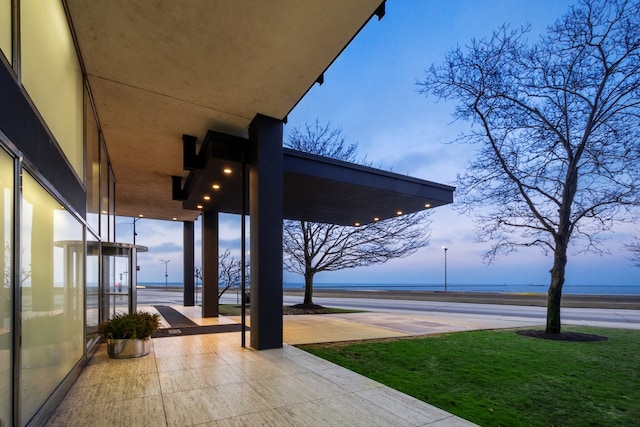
[(197, 330), (173, 317)]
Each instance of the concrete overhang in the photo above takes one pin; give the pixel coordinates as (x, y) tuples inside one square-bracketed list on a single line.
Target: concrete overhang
[(316, 188), (321, 189), (160, 68)]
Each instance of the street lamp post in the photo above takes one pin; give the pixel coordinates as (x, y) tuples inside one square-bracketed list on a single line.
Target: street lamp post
[(445, 267), (166, 275), (134, 227)]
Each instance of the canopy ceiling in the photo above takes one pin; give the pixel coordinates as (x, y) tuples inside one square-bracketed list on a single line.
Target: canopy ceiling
[(159, 69)]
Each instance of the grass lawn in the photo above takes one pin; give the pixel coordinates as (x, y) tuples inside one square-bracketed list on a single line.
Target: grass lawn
[(500, 378)]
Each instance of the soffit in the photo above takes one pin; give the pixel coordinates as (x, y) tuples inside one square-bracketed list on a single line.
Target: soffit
[(162, 68), (325, 190), (315, 188)]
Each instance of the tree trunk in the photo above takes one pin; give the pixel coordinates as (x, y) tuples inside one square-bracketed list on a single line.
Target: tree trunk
[(555, 289), (308, 289), (553, 307)]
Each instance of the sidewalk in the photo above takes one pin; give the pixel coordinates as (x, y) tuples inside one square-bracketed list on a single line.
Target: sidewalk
[(209, 380), (311, 329)]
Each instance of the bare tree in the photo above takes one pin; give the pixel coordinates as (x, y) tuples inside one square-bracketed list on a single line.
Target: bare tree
[(557, 125), (230, 270), (229, 273), (310, 248), (323, 140), (634, 249)]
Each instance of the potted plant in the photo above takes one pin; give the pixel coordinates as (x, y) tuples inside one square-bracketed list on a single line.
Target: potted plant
[(129, 335)]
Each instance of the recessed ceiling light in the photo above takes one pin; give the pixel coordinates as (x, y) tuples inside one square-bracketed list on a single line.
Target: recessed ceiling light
[(199, 206), (141, 216), (174, 218), (427, 205), (376, 219), (399, 213), (226, 170), (215, 186), (207, 197), (357, 224)]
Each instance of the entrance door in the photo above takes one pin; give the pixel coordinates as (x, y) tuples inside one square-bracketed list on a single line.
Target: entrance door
[(119, 278)]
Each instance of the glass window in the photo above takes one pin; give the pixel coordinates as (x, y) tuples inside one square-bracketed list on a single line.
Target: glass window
[(92, 289), (52, 248), (104, 194), (52, 76), (93, 169), (116, 280), (112, 206), (6, 290), (5, 30)]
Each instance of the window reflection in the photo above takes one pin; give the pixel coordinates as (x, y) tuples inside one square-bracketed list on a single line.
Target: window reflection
[(52, 251), (93, 168), (92, 289), (6, 298), (5, 29), (104, 195), (51, 74)]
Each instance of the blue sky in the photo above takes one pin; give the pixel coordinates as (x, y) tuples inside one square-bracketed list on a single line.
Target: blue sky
[(369, 92)]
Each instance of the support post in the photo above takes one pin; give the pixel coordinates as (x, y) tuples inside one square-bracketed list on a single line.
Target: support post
[(243, 249), (266, 201), (188, 244), (210, 264)]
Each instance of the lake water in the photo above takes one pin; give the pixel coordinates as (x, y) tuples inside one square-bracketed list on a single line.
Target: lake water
[(528, 288), (453, 287)]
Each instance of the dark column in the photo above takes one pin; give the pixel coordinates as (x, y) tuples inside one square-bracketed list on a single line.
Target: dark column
[(188, 247), (132, 289), (210, 264), (265, 195)]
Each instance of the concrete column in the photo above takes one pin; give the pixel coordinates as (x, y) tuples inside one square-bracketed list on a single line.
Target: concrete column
[(210, 264), (265, 200), (188, 247)]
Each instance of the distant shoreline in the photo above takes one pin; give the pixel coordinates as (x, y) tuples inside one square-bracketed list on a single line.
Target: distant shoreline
[(631, 302)]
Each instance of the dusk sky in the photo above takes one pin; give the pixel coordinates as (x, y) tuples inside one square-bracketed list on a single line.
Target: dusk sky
[(370, 94)]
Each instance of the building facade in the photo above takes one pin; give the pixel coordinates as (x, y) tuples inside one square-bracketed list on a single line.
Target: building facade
[(57, 199), (94, 100), (58, 183)]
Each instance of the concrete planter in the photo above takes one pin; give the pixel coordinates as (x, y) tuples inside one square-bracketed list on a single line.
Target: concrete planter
[(127, 348)]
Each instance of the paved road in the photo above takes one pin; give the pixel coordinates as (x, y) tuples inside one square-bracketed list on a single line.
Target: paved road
[(596, 317), (631, 317)]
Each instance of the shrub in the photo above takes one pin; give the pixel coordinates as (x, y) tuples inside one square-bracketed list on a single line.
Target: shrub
[(140, 325)]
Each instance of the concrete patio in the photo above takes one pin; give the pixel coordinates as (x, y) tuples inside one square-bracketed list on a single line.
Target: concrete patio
[(209, 380)]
